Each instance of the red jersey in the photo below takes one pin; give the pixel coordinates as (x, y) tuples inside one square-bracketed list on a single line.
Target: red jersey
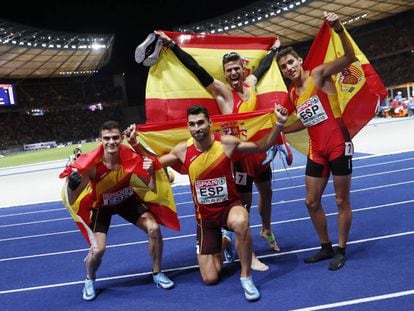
[(211, 179), (319, 112)]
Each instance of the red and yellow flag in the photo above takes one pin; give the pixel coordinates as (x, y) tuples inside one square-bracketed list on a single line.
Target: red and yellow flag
[(359, 87), (161, 204), (172, 88), (161, 137)]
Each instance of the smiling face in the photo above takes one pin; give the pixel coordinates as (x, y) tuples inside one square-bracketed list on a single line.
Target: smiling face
[(199, 126), (291, 66), (234, 73), (111, 139)]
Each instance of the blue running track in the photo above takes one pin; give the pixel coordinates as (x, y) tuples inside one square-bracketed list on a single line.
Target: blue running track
[(42, 253)]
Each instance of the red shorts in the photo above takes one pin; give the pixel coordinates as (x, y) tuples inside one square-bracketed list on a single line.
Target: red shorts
[(209, 231)]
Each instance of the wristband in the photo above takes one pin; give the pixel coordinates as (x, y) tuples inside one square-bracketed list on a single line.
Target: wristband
[(340, 30), (171, 44), (280, 123)]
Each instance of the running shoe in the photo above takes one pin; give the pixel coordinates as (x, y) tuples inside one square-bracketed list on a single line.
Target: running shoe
[(338, 261), (161, 280), (326, 252), (228, 252), (250, 290), (146, 48), (152, 58), (88, 292)]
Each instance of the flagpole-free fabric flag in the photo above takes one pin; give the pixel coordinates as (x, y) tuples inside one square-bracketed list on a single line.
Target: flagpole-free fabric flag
[(161, 137), (161, 204), (172, 88), (359, 87)]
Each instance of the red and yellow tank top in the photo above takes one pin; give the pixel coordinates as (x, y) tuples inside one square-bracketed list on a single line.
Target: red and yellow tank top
[(111, 187), (319, 111), (251, 163), (211, 179), (240, 105)]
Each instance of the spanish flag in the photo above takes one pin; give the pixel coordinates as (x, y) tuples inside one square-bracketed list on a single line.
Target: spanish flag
[(172, 88), (249, 126), (359, 88), (161, 204)]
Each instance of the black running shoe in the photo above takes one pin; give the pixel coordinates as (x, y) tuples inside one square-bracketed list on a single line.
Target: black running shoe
[(146, 48), (338, 262), (323, 254)]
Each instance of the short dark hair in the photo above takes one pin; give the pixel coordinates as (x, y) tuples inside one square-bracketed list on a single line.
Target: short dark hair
[(196, 109), (229, 57), (109, 125), (286, 51)]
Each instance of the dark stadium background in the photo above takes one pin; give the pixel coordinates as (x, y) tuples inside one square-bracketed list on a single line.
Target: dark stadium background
[(129, 21)]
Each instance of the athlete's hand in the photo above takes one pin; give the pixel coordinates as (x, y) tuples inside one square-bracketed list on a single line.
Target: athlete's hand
[(148, 165), (333, 20), (74, 180), (281, 114), (277, 43), (130, 134), (165, 39)]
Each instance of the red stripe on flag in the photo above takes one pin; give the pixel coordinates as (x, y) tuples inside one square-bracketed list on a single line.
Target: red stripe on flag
[(159, 110), (218, 42), (317, 52), (164, 216), (268, 100)]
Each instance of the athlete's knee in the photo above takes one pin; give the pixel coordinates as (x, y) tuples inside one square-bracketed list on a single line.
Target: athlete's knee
[(239, 222), (153, 229), (210, 278), (98, 252), (312, 204), (342, 203)]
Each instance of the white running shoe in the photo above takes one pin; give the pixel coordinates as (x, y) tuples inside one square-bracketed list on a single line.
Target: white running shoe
[(88, 292), (250, 290), (161, 280)]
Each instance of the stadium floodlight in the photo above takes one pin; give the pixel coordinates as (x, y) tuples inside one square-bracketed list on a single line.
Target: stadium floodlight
[(97, 46)]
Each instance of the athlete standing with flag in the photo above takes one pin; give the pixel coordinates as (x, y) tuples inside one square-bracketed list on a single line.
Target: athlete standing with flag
[(315, 99)]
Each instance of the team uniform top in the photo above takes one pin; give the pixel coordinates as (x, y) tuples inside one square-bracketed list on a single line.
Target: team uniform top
[(211, 179), (240, 105), (111, 187), (319, 111)]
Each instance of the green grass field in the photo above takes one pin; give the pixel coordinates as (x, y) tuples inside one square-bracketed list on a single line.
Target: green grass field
[(29, 157)]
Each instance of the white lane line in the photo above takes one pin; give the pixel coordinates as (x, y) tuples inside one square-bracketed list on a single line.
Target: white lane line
[(192, 215), (358, 301), (274, 190), (195, 266), (34, 212)]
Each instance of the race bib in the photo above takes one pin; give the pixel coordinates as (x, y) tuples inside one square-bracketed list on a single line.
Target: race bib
[(240, 178), (349, 148), (210, 191), (117, 197), (311, 112)]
